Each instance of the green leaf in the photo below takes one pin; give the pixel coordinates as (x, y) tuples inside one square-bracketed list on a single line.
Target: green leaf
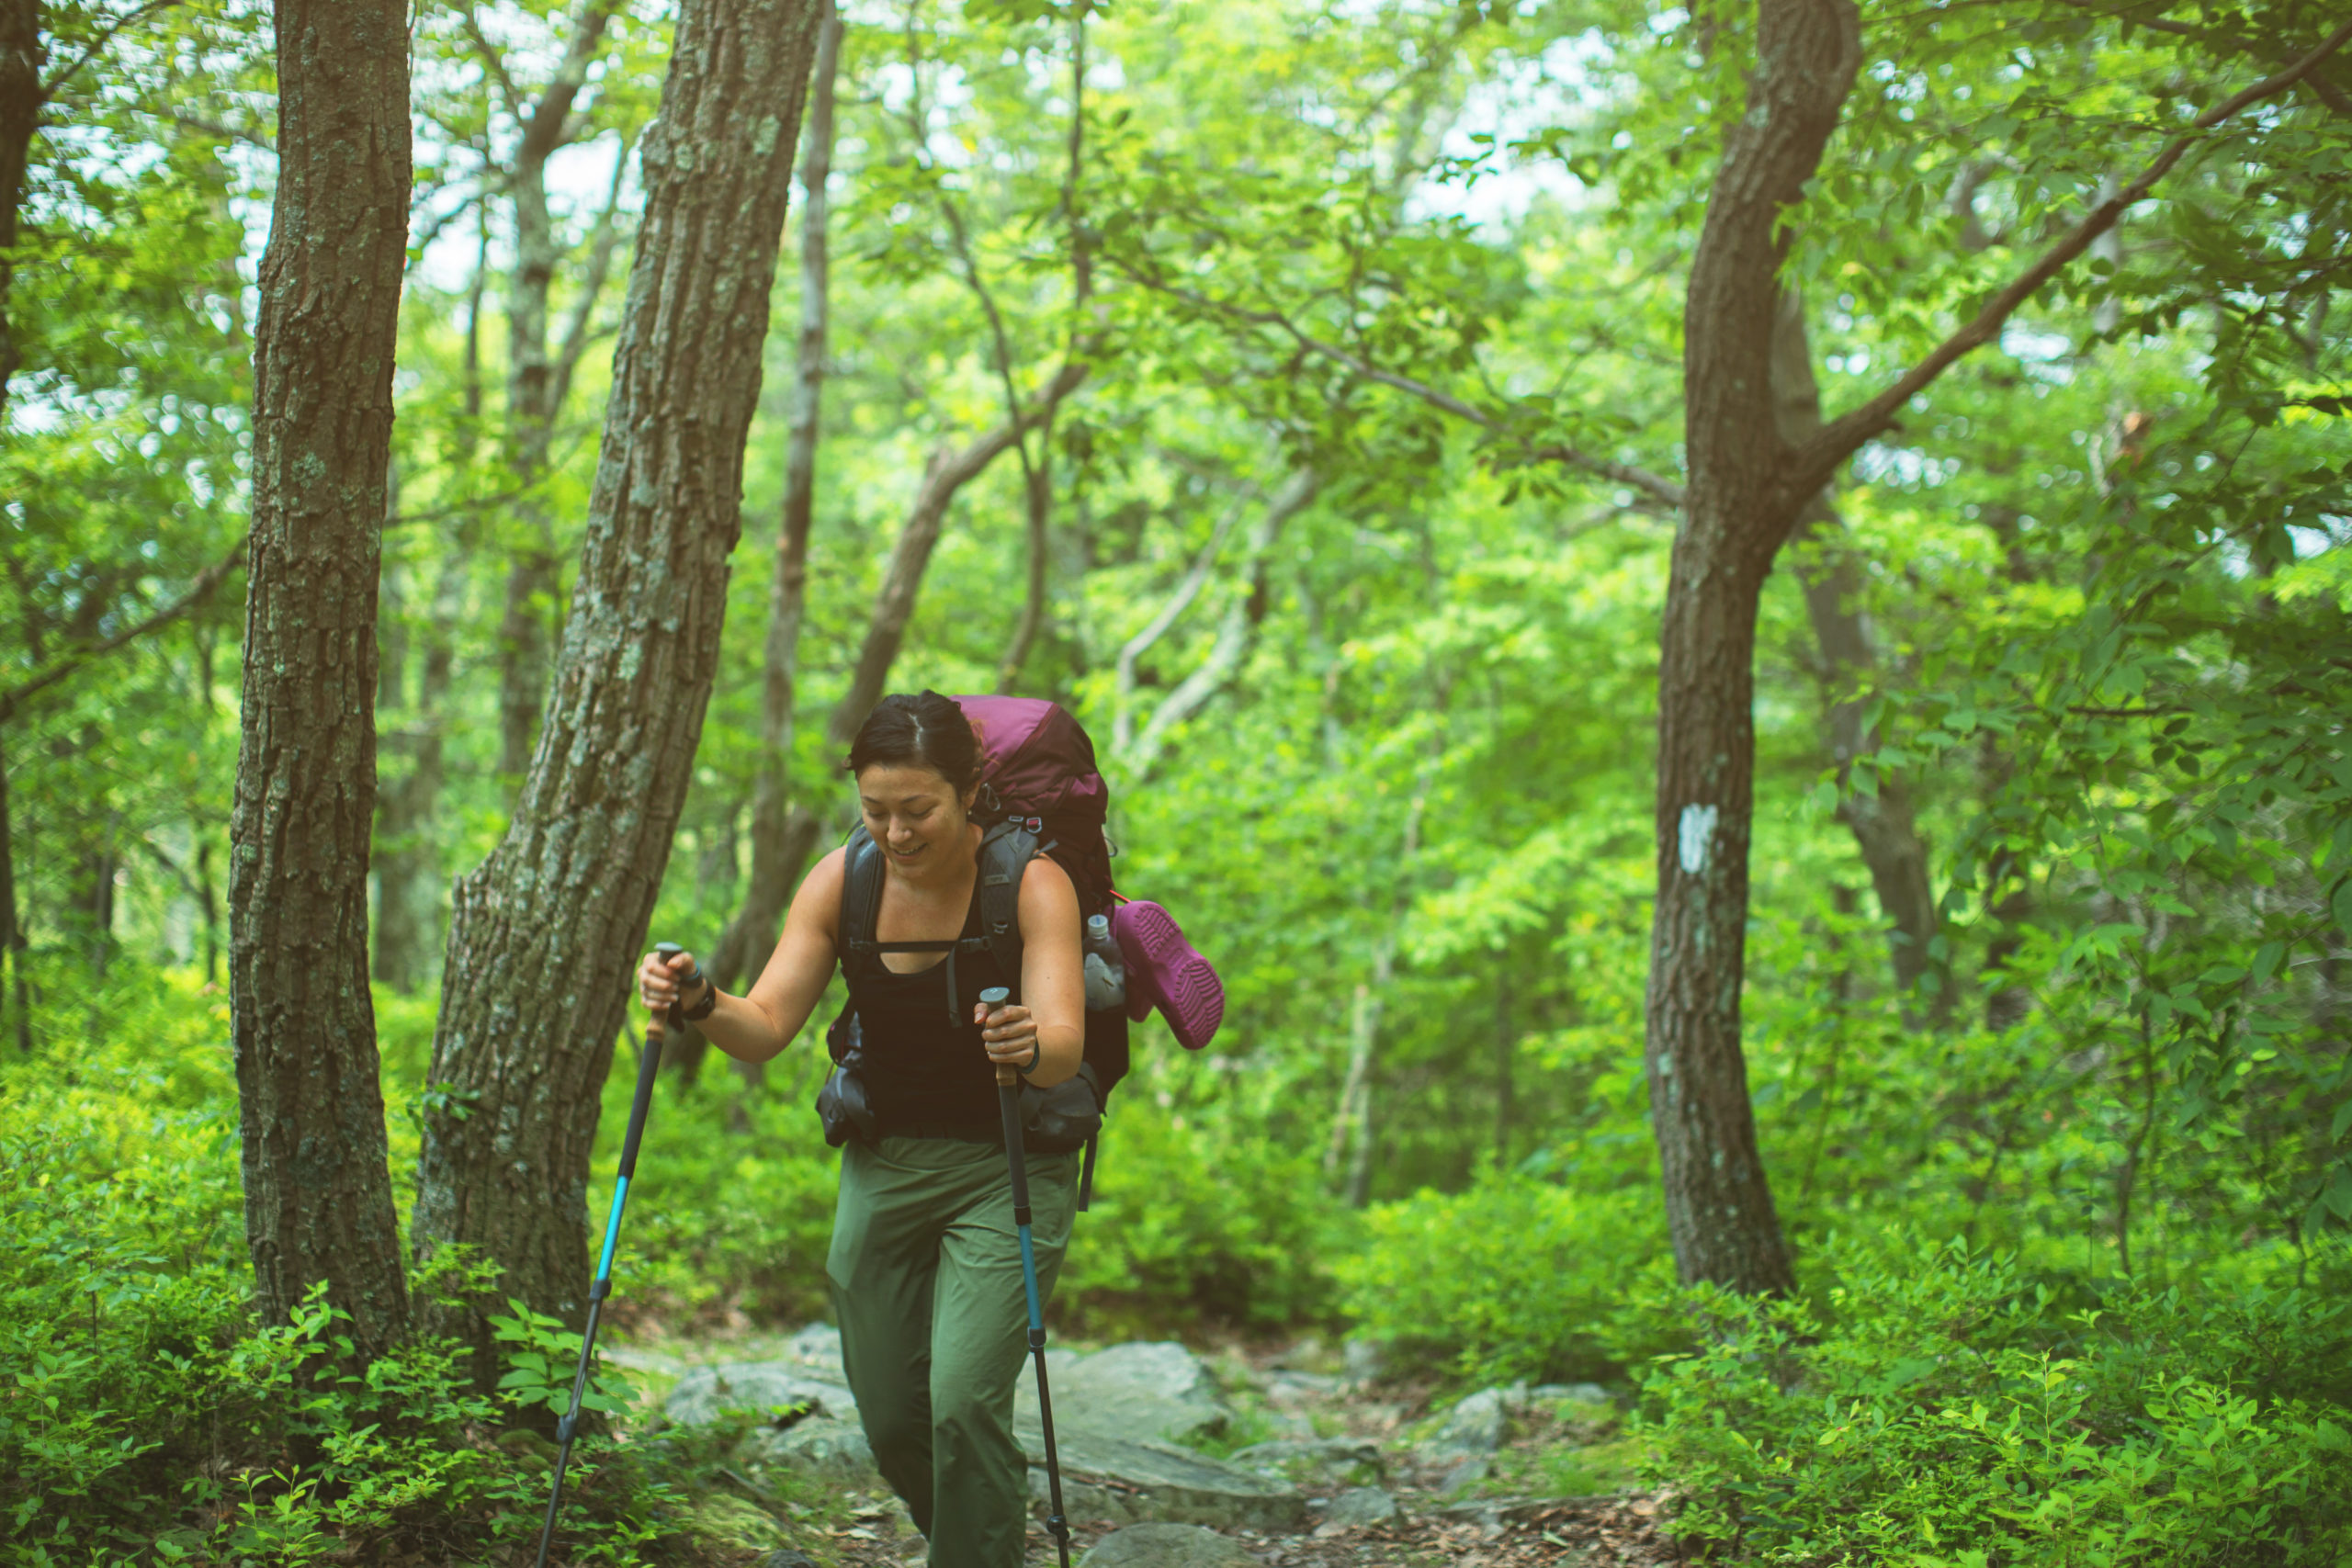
[(2339, 1192)]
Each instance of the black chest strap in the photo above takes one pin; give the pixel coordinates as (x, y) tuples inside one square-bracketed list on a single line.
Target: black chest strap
[(1006, 850)]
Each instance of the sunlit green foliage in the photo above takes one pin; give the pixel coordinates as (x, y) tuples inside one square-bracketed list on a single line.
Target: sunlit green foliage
[(2104, 565)]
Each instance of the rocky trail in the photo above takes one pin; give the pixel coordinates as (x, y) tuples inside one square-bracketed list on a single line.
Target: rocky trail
[(1307, 1457)]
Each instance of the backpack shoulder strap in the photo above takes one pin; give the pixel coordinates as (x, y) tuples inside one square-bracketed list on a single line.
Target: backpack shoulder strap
[(1006, 850), (861, 898)]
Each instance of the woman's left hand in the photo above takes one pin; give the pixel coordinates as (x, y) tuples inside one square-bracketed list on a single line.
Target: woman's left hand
[(1010, 1033)]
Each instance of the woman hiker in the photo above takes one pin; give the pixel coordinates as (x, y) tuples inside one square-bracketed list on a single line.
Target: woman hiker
[(925, 1268)]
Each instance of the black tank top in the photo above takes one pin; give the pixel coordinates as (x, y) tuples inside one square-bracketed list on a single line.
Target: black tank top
[(927, 1069)]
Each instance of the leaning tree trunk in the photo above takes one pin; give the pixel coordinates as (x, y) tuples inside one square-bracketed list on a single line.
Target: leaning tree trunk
[(318, 1195), (534, 395), (545, 933), (1748, 486), (1738, 510)]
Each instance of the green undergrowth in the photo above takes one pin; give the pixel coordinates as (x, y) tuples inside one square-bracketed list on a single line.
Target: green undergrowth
[(1516, 1279), (1918, 1404), (1938, 1408), (147, 1417)]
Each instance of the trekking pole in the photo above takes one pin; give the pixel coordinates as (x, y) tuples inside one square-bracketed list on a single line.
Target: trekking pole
[(1008, 1095), (649, 1067)]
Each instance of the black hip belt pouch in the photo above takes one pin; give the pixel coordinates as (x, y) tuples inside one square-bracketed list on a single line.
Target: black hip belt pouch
[(1056, 1120)]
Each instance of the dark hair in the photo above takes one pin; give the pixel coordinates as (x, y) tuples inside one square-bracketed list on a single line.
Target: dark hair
[(925, 730)]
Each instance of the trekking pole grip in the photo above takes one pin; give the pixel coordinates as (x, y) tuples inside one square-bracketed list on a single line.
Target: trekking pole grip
[(649, 1066), (995, 997)]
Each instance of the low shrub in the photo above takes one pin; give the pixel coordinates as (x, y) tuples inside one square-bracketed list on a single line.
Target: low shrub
[(1515, 1277), (145, 1418), (1198, 1222), (1935, 1410)]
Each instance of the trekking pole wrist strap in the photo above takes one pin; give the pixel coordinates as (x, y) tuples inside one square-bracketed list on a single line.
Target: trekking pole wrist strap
[(702, 1009)]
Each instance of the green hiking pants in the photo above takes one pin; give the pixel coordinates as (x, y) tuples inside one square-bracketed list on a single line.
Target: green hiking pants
[(926, 1284)]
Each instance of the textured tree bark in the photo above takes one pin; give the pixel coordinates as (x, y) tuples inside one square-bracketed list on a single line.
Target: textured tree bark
[(20, 107), (1739, 507), (1885, 827), (543, 935), (777, 826), (318, 1195)]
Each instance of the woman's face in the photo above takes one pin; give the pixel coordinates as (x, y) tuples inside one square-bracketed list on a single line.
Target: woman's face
[(913, 814)]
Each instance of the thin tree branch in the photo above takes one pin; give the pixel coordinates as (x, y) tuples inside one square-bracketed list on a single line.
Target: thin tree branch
[(2326, 91), (1194, 580), (1235, 634), (199, 589), (543, 131), (494, 182), (894, 604), (1819, 458), (187, 121), (603, 239), (1663, 493), (90, 51), (493, 65)]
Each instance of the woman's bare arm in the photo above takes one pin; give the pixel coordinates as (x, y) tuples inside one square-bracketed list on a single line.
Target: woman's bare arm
[(758, 1026)]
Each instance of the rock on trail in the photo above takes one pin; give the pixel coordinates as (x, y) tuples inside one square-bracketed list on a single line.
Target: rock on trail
[(1167, 1545), (1127, 1418)]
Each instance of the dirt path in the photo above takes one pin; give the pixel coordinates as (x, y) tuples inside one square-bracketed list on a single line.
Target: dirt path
[(1556, 1491)]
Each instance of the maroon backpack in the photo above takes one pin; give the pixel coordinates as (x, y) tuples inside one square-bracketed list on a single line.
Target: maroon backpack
[(1037, 768)]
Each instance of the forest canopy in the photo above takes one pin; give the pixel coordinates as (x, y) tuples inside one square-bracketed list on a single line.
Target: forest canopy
[(1730, 622)]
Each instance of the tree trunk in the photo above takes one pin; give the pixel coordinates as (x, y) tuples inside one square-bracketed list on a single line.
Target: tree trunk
[(1037, 511), (1882, 823), (782, 835), (318, 1195), (407, 861), (11, 930), (20, 105), (533, 398), (545, 933), (1738, 510), (1506, 1054)]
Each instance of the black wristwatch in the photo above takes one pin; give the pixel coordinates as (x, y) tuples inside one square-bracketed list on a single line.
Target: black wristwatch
[(701, 1009)]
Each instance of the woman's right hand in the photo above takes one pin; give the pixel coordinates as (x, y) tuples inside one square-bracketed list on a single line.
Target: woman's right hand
[(658, 980)]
